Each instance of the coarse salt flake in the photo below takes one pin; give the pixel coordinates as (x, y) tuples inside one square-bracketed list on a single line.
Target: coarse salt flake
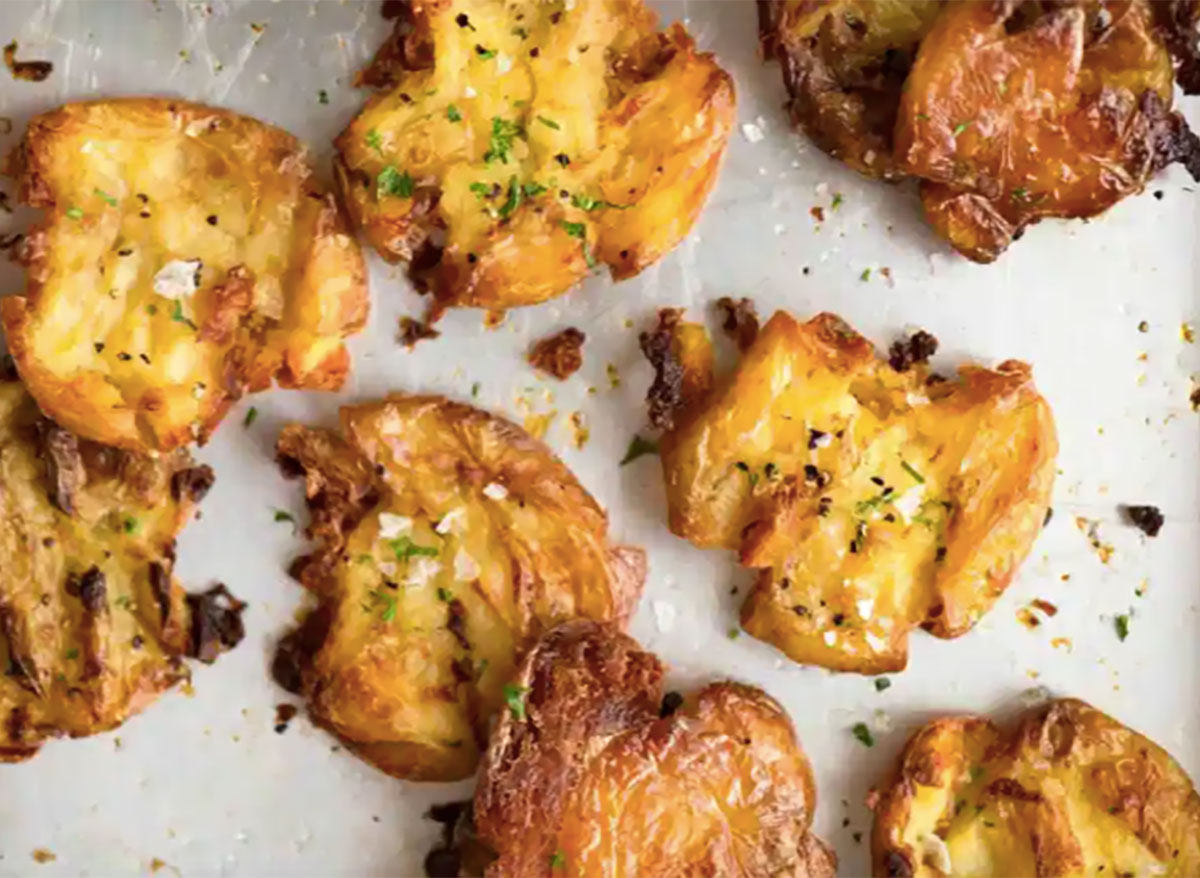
[(392, 526), (495, 491), (452, 521), (752, 132), (664, 616), (178, 279), (421, 570)]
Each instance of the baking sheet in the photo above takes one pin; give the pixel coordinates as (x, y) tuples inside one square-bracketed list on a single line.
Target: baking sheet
[(200, 784)]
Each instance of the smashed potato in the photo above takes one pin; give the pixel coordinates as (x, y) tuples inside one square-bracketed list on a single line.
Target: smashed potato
[(187, 257), (1007, 111), (518, 144), (844, 65), (1070, 791), (447, 540), (872, 497), (591, 771), (1013, 114), (93, 625)]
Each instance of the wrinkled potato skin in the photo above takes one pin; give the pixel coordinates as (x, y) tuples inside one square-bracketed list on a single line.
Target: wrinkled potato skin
[(1070, 791), (737, 477), (275, 298), (1063, 118), (74, 666), (642, 117), (407, 689), (844, 64), (594, 775)]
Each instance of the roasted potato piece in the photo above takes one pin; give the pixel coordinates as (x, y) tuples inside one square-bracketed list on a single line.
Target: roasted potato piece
[(1070, 791), (93, 624), (1018, 111), (844, 65), (871, 498), (520, 143), (587, 775), (187, 257), (447, 541)]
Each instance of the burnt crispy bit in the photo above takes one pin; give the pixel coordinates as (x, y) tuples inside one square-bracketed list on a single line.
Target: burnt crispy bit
[(30, 71), (1147, 519), (65, 471), (93, 590), (740, 320), (908, 352), (413, 331), (682, 359), (284, 714), (192, 483), (559, 355), (216, 623), (1178, 22), (671, 702), (160, 588)]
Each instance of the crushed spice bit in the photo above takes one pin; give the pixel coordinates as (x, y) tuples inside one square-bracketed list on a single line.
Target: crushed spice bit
[(740, 320), (917, 348), (29, 71), (41, 855), (1091, 529), (1147, 519), (1045, 606), (579, 430), (559, 355), (284, 714), (413, 331)]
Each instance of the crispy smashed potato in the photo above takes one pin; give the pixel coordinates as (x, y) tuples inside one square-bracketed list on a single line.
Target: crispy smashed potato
[(518, 144), (870, 500), (844, 65), (93, 625), (1070, 791), (592, 772), (448, 540), (1008, 111), (187, 257)]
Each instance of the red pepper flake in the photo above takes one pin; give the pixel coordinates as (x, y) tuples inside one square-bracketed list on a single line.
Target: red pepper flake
[(818, 213)]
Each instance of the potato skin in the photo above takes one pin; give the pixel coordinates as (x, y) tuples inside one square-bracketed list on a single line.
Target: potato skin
[(406, 656), (1068, 791), (1061, 118), (591, 779), (93, 625), (131, 185), (803, 462), (614, 132)]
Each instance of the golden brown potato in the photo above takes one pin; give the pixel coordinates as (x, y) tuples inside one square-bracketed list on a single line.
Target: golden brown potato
[(1070, 791), (520, 143), (1018, 111), (447, 541), (844, 65), (187, 257), (872, 497), (592, 772), (93, 624)]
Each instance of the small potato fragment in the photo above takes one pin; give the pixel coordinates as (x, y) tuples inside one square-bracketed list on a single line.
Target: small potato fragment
[(592, 772), (1069, 791), (519, 144), (93, 625), (1018, 111), (187, 258), (870, 500), (844, 65), (447, 540)]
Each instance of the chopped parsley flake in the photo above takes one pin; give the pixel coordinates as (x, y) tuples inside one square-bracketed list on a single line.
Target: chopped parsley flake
[(74, 213), (280, 515), (251, 417), (500, 145), (863, 734), (882, 683), (838, 200), (123, 601), (866, 274), (586, 202), (549, 123), (514, 697), (393, 182), (178, 316), (485, 54), (374, 141), (453, 114), (639, 447), (533, 190), (481, 190), (1121, 623), (575, 230), (131, 525), (444, 594), (916, 476), (322, 96), (405, 548), (387, 599), (961, 127), (515, 193), (475, 389), (733, 633), (72, 654), (108, 199), (558, 860)]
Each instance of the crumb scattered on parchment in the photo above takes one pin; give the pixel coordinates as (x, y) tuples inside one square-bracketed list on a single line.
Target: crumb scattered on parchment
[(284, 714), (1194, 396), (537, 424), (614, 377), (30, 71), (1091, 529), (41, 855), (494, 319), (817, 212), (1061, 643), (413, 331), (1187, 332), (187, 689), (1026, 617), (739, 319), (559, 355), (579, 430)]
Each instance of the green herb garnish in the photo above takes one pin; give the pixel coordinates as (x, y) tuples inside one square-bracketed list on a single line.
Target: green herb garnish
[(280, 515), (558, 860), (533, 190), (72, 654), (863, 734), (838, 200), (916, 476), (444, 594), (374, 141), (485, 54), (514, 697), (322, 96), (251, 416), (179, 317), (74, 213), (500, 144), (393, 182), (108, 199), (1121, 623), (961, 127), (131, 525), (515, 193), (389, 601), (549, 123), (882, 683), (453, 114), (405, 548), (639, 447), (866, 274)]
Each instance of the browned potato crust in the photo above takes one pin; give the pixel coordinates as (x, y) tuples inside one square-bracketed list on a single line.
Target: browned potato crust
[(870, 500), (844, 65), (519, 143), (93, 624), (186, 258), (585, 775), (448, 540), (1070, 791)]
